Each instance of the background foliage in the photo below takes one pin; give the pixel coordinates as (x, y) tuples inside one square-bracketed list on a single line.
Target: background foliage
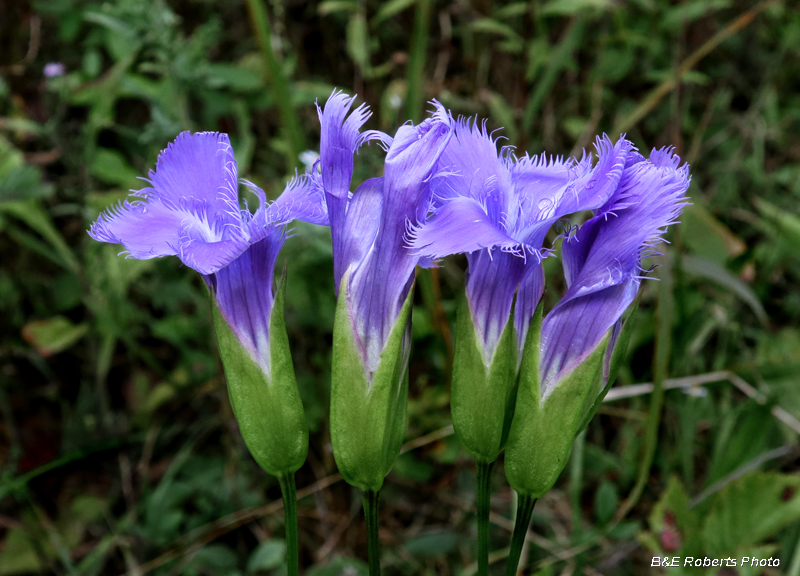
[(119, 450)]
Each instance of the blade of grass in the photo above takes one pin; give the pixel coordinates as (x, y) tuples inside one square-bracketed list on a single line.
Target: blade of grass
[(663, 349), (416, 60), (289, 118), (570, 40), (656, 94)]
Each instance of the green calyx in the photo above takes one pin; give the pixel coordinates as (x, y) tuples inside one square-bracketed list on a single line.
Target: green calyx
[(543, 431), (267, 407), (483, 394), (368, 417)]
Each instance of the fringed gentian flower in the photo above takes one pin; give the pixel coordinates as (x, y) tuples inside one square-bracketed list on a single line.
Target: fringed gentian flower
[(191, 210), (498, 209), (374, 272), (565, 370)]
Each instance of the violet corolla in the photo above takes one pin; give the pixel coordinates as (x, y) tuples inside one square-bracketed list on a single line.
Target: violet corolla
[(571, 356), (374, 274), (191, 210)]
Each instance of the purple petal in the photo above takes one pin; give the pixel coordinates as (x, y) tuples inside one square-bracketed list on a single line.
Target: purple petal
[(362, 222), (340, 139), (381, 282), (530, 293), (492, 280), (602, 261), (471, 167), (459, 225), (302, 199), (574, 328), (201, 167), (145, 229), (243, 290)]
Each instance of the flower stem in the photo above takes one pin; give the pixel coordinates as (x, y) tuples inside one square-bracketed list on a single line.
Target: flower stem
[(525, 506), (484, 470), (290, 512), (370, 500)]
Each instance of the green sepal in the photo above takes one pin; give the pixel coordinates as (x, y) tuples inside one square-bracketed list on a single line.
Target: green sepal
[(617, 357), (543, 430), (368, 419), (482, 397), (267, 406)]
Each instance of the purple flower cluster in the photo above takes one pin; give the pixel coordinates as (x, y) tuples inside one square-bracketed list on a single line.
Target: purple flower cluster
[(446, 189)]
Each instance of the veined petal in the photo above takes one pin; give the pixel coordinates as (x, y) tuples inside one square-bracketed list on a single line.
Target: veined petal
[(340, 138), (381, 281), (145, 229), (199, 166), (472, 168), (362, 223), (302, 199), (243, 290), (574, 328), (528, 296), (492, 280), (460, 224), (551, 190)]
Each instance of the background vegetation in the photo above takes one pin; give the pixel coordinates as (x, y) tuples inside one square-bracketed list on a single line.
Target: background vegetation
[(119, 452)]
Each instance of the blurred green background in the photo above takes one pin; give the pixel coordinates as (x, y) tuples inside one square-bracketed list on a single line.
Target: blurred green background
[(118, 449)]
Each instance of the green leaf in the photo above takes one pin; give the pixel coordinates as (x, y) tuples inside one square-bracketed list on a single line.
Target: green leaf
[(23, 183), (267, 555), (35, 216), (571, 7), (707, 237), (703, 269), (53, 335), (266, 402), (606, 500), (484, 389), (432, 544), (750, 510), (368, 415), (785, 225), (390, 9), (341, 566), (334, 6), (358, 40), (111, 167), (490, 26), (19, 554), (237, 78)]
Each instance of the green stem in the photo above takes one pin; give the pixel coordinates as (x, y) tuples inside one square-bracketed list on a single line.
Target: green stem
[(280, 86), (525, 506), (370, 500), (484, 497), (290, 511), (416, 60)]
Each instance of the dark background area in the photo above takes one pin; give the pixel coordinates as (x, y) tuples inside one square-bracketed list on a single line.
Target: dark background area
[(119, 452)]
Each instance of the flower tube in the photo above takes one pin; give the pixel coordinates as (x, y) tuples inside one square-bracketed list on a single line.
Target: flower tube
[(374, 272), (191, 210), (498, 209), (572, 356)]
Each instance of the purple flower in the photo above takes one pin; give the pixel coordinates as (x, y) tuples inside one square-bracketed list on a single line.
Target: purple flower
[(54, 69), (191, 210), (602, 261), (498, 208), (369, 227)]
